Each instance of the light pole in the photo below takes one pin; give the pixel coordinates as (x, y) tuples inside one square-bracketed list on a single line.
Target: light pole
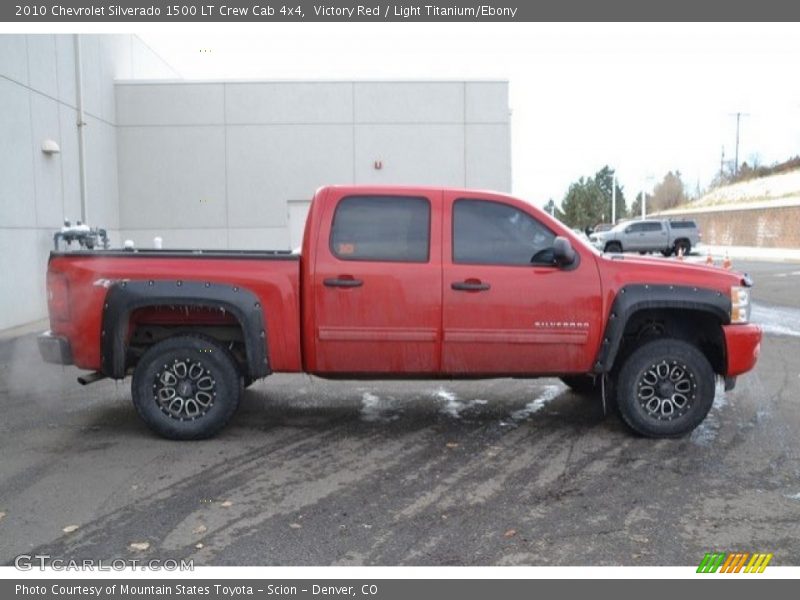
[(614, 199), (644, 196)]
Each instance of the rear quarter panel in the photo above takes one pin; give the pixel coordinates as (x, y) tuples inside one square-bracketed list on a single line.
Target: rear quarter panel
[(275, 282)]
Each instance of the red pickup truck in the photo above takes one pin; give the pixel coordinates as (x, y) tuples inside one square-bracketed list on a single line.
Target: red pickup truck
[(409, 282)]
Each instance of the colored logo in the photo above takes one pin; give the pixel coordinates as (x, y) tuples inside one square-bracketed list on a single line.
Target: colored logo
[(734, 562)]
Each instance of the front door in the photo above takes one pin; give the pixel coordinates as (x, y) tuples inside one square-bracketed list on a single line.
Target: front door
[(377, 285), (507, 309)]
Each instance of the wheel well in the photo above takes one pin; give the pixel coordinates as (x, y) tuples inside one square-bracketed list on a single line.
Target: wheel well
[(697, 327), (680, 240), (612, 243), (152, 324)]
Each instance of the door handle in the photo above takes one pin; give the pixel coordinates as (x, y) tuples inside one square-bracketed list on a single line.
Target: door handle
[(470, 286), (344, 282)]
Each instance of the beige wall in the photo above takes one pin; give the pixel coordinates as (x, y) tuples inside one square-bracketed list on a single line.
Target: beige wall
[(764, 227), (229, 164)]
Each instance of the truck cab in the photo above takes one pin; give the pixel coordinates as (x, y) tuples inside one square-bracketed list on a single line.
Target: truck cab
[(443, 282)]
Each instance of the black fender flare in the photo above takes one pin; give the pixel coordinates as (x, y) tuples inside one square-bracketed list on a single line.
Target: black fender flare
[(633, 298), (127, 295)]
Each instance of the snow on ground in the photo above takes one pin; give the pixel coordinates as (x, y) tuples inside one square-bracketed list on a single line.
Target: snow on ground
[(783, 188), (549, 393), (374, 409), (706, 432), (744, 252), (778, 320), (452, 406)]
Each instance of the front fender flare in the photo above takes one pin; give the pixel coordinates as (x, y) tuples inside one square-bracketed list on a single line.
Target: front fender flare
[(633, 298)]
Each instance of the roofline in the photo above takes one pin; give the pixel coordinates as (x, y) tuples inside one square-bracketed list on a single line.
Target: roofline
[(296, 81), (408, 188)]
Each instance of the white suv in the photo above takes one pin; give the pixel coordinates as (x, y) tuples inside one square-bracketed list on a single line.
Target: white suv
[(650, 235)]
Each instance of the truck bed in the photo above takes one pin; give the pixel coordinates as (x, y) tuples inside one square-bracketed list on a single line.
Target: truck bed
[(273, 276)]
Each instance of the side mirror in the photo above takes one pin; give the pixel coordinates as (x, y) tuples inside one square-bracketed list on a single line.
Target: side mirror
[(563, 252)]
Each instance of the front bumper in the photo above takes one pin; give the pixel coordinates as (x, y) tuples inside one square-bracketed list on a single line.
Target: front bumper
[(742, 347), (54, 348)]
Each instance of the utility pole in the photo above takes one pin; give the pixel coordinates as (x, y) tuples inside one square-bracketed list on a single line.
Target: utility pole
[(722, 165), (738, 116)]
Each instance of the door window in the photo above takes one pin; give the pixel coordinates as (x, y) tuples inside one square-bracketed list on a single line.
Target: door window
[(493, 233)]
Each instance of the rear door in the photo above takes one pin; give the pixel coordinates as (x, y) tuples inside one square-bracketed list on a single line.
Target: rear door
[(507, 309), (656, 235), (377, 284)]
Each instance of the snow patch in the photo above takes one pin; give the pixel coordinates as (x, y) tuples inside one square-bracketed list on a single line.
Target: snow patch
[(778, 320), (376, 410), (452, 406), (549, 393), (706, 432), (793, 496)]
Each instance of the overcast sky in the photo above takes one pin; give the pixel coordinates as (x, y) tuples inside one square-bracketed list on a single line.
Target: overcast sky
[(644, 98)]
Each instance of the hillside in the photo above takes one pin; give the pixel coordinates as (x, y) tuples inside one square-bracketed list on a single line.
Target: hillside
[(764, 192)]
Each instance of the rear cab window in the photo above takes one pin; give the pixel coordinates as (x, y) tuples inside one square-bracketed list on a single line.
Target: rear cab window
[(382, 228), (683, 225)]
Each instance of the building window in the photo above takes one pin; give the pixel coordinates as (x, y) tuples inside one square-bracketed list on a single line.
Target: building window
[(382, 228)]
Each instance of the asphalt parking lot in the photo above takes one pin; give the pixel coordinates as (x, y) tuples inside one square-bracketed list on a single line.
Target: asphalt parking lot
[(500, 472)]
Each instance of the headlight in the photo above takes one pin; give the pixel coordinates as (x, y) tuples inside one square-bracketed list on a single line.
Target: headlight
[(740, 304)]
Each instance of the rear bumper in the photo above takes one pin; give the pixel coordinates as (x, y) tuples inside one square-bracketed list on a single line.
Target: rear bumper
[(742, 347), (54, 348)]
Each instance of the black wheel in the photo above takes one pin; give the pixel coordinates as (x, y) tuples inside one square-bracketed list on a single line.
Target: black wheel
[(665, 388), (613, 247), (684, 245), (667, 252), (186, 387), (582, 384)]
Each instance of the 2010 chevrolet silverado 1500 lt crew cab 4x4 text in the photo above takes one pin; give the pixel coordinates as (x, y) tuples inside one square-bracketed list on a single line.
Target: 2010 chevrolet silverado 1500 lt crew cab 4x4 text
[(410, 282)]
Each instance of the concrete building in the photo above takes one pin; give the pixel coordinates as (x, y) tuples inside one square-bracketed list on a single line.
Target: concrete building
[(39, 101), (211, 164)]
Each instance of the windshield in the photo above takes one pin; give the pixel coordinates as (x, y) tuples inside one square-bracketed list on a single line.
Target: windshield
[(621, 226)]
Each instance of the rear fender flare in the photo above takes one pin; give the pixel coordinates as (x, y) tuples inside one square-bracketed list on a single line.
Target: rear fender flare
[(125, 296)]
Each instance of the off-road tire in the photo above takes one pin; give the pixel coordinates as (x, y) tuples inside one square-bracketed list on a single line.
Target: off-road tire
[(686, 388), (686, 245), (186, 387), (613, 247)]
